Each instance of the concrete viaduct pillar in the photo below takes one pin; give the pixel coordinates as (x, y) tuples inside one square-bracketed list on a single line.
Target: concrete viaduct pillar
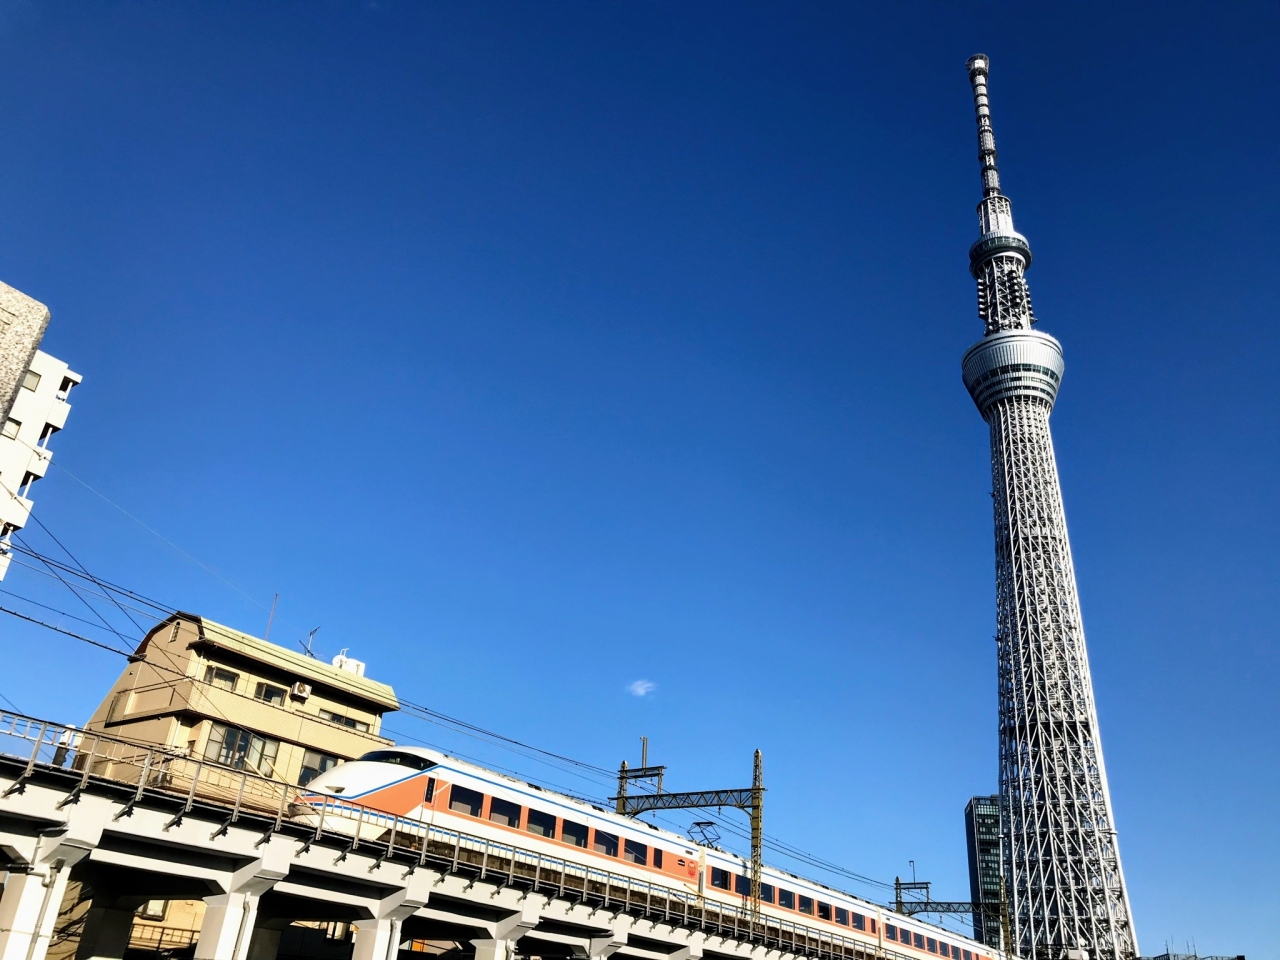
[(379, 938), (508, 931), (230, 918), (107, 927), (37, 883)]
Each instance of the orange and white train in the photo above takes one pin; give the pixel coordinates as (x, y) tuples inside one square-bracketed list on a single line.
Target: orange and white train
[(434, 788)]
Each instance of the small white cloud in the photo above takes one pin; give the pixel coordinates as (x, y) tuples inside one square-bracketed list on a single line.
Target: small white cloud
[(640, 688)]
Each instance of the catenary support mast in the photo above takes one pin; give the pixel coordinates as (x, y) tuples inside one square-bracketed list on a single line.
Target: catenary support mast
[(1065, 885)]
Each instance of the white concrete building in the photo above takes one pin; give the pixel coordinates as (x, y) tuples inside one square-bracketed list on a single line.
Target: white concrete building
[(39, 411)]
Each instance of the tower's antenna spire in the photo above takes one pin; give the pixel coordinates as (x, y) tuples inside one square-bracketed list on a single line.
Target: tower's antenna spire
[(978, 65)]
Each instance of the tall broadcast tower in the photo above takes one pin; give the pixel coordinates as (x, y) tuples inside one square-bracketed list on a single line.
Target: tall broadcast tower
[(1066, 890)]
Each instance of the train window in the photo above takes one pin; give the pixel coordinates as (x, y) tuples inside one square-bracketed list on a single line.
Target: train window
[(742, 885), (431, 789), (955, 952), (720, 878), (606, 843), (806, 905), (890, 932), (931, 944), (504, 812), (787, 898), (634, 852), (657, 858), (543, 824), (411, 760), (462, 800), (859, 922), (842, 916), (824, 911), (574, 833), (967, 955), (766, 893), (919, 941)]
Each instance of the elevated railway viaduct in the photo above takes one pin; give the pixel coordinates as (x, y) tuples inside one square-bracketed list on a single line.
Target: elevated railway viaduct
[(136, 823)]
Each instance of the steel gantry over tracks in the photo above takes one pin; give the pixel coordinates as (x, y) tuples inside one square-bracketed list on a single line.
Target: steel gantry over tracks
[(751, 800)]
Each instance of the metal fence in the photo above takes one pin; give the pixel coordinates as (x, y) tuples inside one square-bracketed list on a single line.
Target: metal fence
[(157, 771)]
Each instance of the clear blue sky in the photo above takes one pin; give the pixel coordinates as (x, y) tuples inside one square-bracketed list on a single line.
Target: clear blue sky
[(533, 350)]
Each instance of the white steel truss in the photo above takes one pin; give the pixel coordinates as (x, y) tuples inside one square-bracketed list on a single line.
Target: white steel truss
[(1067, 895)]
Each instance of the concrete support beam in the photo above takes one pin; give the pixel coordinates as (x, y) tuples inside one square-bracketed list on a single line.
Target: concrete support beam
[(29, 906), (107, 927), (508, 931), (379, 938), (265, 943), (230, 917)]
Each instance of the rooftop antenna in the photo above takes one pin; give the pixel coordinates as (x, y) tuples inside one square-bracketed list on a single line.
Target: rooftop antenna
[(271, 617), (306, 647)]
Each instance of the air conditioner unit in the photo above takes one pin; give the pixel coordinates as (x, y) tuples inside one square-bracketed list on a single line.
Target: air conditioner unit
[(300, 690)]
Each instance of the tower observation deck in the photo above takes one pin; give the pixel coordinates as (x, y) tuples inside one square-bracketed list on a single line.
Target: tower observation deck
[(1061, 860)]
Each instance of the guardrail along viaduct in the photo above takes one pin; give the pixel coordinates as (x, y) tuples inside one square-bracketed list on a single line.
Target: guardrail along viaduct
[(133, 823)]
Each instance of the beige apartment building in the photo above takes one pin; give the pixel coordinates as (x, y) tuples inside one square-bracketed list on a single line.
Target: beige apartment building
[(232, 700), (214, 693)]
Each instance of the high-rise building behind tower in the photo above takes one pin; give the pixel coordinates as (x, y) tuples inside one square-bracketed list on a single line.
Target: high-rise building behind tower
[(982, 835), (1064, 882)]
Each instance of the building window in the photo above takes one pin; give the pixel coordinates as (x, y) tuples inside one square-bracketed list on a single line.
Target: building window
[(217, 677), (806, 905), (720, 878), (270, 693), (504, 812), (541, 824), (30, 382), (574, 833), (314, 763), (842, 916), (824, 911), (10, 428), (241, 749), (152, 909), (605, 843), (787, 898), (462, 800), (339, 719), (634, 852)]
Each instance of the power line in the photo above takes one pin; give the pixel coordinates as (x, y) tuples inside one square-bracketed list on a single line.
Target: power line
[(419, 711)]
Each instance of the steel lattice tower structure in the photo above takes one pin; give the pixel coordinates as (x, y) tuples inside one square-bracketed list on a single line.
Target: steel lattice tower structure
[(1061, 860)]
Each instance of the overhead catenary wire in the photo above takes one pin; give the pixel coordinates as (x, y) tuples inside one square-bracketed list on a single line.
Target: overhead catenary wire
[(574, 767), (580, 768)]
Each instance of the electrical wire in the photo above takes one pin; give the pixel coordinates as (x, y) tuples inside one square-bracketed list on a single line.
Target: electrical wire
[(574, 767)]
